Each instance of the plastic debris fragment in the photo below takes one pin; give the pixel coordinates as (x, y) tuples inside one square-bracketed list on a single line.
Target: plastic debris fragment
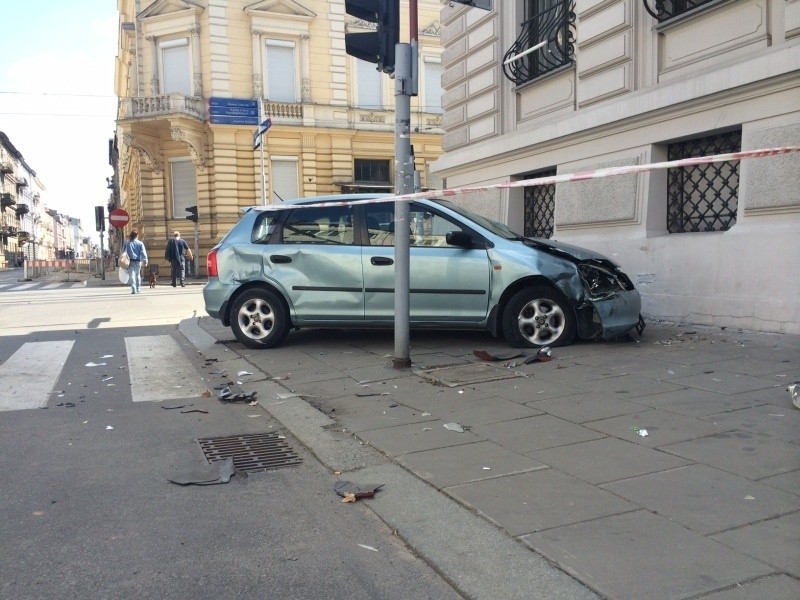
[(454, 427), (354, 491), (794, 393)]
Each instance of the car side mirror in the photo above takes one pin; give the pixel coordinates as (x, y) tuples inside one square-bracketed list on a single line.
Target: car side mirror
[(462, 239)]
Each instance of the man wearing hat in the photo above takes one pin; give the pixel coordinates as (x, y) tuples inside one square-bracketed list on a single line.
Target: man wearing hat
[(177, 249)]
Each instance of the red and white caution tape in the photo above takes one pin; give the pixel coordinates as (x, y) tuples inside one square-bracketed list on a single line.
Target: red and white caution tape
[(566, 177)]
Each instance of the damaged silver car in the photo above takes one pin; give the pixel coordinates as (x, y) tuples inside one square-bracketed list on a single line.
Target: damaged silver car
[(332, 265)]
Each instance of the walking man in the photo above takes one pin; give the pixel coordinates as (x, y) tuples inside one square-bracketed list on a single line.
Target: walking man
[(177, 251), (137, 254)]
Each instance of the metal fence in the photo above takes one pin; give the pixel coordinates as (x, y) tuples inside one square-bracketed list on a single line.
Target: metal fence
[(33, 269)]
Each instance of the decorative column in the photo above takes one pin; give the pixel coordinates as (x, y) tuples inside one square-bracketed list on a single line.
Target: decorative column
[(155, 87), (306, 70), (197, 89), (258, 57)]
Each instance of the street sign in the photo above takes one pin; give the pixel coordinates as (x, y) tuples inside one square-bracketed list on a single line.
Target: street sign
[(232, 111), (118, 218)]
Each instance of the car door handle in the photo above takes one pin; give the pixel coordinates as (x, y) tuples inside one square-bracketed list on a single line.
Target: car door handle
[(381, 261), (279, 258)]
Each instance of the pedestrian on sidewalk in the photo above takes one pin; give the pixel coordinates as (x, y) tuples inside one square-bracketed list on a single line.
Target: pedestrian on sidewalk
[(177, 253), (137, 254)]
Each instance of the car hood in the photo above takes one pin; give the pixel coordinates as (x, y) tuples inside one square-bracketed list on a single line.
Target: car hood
[(574, 253)]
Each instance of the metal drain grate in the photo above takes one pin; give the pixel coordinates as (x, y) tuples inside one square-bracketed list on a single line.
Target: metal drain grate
[(252, 453)]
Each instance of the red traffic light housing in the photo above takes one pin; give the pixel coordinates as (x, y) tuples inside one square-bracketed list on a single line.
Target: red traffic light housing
[(378, 46), (192, 216), (100, 218)]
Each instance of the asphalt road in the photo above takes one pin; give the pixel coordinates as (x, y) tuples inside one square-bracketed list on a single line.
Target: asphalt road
[(88, 508)]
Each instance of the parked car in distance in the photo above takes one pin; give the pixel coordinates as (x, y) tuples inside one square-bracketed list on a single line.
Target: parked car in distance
[(331, 264)]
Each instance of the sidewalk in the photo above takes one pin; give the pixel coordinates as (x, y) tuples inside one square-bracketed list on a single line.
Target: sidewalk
[(554, 456)]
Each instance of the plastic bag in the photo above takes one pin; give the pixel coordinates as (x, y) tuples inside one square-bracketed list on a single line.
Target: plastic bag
[(123, 275)]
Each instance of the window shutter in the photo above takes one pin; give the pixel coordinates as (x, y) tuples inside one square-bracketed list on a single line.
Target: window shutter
[(184, 187), (370, 93), (280, 73), (433, 87), (177, 68), (284, 179)]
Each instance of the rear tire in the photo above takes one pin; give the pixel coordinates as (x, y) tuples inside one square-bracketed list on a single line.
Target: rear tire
[(536, 317), (259, 319)]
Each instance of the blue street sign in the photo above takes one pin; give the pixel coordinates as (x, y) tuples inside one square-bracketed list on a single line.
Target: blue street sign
[(233, 111)]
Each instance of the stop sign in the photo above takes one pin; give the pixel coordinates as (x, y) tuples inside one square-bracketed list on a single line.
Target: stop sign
[(118, 218)]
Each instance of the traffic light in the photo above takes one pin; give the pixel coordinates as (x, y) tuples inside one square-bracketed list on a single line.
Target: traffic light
[(99, 218), (484, 4), (192, 216), (378, 46)]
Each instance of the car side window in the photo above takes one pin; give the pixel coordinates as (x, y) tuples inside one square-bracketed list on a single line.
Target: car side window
[(319, 225), (380, 224), (429, 228), (263, 228)]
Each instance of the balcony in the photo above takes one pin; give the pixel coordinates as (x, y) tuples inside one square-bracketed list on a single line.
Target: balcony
[(157, 107), (22, 208), (283, 110), (664, 10), (6, 168), (7, 200)]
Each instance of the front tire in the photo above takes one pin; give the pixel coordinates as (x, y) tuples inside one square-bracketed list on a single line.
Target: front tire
[(536, 317), (259, 319)]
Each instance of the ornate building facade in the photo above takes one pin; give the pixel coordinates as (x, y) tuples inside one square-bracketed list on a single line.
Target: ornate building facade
[(534, 88), (194, 80)]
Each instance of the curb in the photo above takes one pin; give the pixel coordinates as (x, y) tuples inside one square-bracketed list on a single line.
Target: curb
[(476, 557)]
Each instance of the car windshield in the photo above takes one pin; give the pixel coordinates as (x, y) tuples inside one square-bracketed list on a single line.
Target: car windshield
[(493, 226)]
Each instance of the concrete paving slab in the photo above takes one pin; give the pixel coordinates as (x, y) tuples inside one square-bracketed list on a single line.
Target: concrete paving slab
[(535, 433), (640, 555), (543, 499), (415, 437), (607, 459), (466, 374), (782, 423), (530, 389), (466, 463), (477, 558), (775, 587), (751, 455), (632, 386), (788, 482), (587, 407), (471, 410), (776, 395), (662, 427), (378, 414), (751, 365), (776, 542), (380, 372), (572, 373), (415, 392), (723, 382), (704, 499), (334, 386), (692, 402)]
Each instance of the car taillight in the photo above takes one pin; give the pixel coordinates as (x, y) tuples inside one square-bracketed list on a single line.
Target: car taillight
[(211, 262)]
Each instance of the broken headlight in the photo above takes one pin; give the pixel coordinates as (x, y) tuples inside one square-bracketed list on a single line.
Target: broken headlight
[(602, 281)]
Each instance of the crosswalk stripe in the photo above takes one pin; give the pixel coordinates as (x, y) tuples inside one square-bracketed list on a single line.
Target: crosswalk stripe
[(51, 286), (24, 286), (159, 370), (30, 374), (5, 285)]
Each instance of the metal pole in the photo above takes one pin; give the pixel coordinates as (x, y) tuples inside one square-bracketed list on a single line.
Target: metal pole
[(195, 258), (102, 258), (261, 147), (404, 184)]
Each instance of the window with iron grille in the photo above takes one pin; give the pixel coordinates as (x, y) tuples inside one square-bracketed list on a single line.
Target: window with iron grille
[(540, 207), (372, 171), (703, 197), (550, 23), (664, 10)]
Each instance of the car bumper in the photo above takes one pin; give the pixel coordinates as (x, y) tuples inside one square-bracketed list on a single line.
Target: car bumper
[(610, 317), (215, 296)]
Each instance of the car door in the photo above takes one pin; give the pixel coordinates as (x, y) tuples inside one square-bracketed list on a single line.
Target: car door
[(447, 283), (318, 265)]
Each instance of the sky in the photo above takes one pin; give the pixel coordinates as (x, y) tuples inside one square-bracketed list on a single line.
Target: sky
[(57, 103)]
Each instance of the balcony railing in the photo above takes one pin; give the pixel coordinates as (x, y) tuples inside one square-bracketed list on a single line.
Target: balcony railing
[(554, 28), (664, 10), (150, 107), (283, 110)]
